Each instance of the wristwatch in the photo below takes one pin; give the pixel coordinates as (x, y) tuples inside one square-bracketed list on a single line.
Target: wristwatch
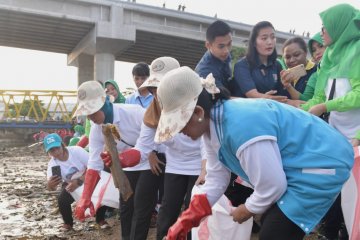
[(79, 182)]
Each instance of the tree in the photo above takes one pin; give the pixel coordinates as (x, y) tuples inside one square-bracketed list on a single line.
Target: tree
[(236, 54), (29, 108)]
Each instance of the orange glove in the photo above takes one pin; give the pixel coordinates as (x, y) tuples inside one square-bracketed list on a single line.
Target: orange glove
[(198, 209), (128, 158), (91, 179)]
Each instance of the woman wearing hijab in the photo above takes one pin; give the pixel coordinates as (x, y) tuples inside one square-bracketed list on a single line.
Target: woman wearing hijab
[(112, 89), (338, 82), (316, 50)]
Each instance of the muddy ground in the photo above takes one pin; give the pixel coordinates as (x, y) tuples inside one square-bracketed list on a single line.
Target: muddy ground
[(29, 211)]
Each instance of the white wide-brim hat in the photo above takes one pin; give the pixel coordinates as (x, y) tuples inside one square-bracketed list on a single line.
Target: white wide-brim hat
[(158, 68), (90, 98), (177, 93)]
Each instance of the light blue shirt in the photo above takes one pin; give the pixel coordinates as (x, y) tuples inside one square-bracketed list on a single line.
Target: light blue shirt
[(136, 98), (316, 158)]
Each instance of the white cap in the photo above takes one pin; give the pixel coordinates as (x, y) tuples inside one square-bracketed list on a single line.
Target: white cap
[(91, 97), (177, 93), (158, 68)]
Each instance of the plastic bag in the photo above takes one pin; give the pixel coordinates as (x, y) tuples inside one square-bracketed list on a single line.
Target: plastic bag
[(105, 193), (220, 224), (350, 199)]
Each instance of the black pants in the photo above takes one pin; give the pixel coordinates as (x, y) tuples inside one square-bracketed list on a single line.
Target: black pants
[(177, 191), (64, 202), (333, 220), (135, 213), (276, 226), (237, 193)]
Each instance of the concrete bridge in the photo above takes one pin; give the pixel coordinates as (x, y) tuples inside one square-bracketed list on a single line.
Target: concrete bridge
[(95, 33)]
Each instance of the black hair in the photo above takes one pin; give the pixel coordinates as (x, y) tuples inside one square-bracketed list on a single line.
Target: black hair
[(298, 40), (141, 69), (252, 53), (217, 29), (206, 100)]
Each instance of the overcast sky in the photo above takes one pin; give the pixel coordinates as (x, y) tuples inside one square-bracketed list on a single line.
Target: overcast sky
[(34, 70)]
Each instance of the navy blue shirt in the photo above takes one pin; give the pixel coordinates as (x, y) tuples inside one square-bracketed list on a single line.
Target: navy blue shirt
[(302, 82), (221, 70), (247, 78)]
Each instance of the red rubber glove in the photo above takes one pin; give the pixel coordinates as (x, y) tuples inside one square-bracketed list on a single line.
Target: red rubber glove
[(128, 158), (198, 209), (91, 179), (83, 142)]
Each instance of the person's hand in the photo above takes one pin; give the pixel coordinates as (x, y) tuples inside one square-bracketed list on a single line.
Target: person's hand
[(198, 209), (295, 103), (73, 184), (127, 158), (318, 109), (106, 157), (53, 182), (286, 78), (155, 164), (355, 142), (241, 214), (271, 95), (201, 179), (91, 179)]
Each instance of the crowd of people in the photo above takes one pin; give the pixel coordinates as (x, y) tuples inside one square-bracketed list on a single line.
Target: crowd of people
[(288, 134)]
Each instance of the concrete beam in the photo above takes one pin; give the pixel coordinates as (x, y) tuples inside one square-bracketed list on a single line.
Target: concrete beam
[(85, 64)]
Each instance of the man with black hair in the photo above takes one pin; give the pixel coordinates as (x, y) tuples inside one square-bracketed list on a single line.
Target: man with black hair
[(142, 97), (217, 59)]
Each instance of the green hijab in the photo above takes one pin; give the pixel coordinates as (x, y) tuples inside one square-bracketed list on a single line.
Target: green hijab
[(80, 129), (316, 38), (120, 98), (341, 57)]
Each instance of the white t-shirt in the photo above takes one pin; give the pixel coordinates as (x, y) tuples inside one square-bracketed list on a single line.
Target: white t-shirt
[(76, 163), (183, 155), (128, 119)]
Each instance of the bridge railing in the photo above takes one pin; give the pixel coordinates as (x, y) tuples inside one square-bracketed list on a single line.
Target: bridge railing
[(37, 106)]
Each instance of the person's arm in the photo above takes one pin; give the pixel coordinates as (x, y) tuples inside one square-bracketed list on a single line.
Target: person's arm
[(269, 95), (244, 80), (310, 88), (294, 94), (96, 145), (319, 94), (217, 177), (347, 102), (266, 174), (52, 181), (145, 143)]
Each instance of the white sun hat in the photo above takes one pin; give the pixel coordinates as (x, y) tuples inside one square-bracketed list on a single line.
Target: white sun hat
[(90, 98), (177, 93), (158, 68)]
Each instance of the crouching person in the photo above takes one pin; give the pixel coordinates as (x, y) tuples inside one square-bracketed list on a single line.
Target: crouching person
[(65, 164)]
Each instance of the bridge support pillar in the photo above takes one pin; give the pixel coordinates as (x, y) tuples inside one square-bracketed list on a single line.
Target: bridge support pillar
[(85, 68), (104, 66)]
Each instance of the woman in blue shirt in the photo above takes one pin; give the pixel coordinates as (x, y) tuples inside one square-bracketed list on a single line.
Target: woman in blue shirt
[(267, 144), (257, 75)]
